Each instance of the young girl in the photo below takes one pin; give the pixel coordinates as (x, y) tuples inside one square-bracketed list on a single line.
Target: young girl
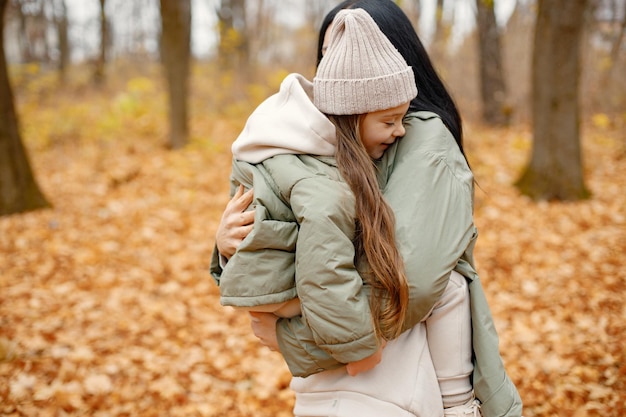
[(364, 86)]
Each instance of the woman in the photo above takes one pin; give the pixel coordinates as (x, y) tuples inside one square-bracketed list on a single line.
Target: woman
[(428, 184)]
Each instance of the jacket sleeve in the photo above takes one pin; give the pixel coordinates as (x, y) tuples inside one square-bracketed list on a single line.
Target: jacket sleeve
[(215, 267), (335, 304), (261, 271), (430, 188), (300, 350)]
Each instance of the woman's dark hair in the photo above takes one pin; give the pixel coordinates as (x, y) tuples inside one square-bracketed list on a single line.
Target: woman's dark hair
[(393, 22)]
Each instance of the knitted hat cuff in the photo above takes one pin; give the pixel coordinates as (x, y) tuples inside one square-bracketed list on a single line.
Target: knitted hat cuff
[(360, 96)]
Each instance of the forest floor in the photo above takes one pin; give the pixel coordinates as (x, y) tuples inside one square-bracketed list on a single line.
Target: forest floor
[(107, 307)]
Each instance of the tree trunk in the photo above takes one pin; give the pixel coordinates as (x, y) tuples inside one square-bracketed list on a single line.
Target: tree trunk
[(492, 87), (616, 46), (555, 170), (32, 28), (19, 191), (175, 57), (439, 28), (24, 45), (98, 75), (64, 44)]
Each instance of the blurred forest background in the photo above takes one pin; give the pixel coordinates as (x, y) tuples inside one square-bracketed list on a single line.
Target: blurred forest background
[(116, 119)]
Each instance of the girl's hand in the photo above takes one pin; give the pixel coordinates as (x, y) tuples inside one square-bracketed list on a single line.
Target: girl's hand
[(354, 368), (236, 223), (264, 327)]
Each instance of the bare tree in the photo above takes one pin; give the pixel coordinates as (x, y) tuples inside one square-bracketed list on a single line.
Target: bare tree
[(555, 169), (611, 24), (439, 27), (517, 40), (19, 191), (492, 85), (233, 48), (33, 25), (617, 45), (440, 36), (60, 19), (176, 57), (24, 45), (100, 63)]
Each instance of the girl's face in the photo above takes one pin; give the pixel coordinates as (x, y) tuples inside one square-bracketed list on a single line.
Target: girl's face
[(380, 129)]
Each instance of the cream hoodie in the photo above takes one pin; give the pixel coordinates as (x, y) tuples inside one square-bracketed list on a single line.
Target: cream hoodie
[(288, 114)]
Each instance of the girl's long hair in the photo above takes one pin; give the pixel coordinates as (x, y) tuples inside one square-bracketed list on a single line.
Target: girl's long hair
[(375, 230)]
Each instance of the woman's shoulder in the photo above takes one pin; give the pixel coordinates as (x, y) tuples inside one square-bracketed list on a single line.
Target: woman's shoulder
[(425, 125), (427, 134), (427, 146)]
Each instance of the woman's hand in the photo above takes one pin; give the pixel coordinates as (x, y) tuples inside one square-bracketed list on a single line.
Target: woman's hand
[(354, 368), (236, 223), (264, 327)]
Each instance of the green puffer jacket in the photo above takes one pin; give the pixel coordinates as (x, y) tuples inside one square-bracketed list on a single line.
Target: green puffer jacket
[(299, 200), (427, 182)]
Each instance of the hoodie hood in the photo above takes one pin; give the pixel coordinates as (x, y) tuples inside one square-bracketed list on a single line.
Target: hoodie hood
[(286, 123)]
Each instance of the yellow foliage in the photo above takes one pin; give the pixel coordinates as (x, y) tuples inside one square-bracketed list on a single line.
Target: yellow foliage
[(44, 83), (203, 143), (32, 68), (226, 78), (140, 85), (133, 101), (605, 63), (51, 114), (231, 40), (521, 143), (257, 92), (276, 77), (126, 103), (601, 120), (260, 91)]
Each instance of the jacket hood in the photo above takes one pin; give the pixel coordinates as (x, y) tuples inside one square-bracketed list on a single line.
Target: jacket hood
[(286, 123)]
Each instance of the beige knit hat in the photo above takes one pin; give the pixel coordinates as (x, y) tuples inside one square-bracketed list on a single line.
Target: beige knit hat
[(361, 71)]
